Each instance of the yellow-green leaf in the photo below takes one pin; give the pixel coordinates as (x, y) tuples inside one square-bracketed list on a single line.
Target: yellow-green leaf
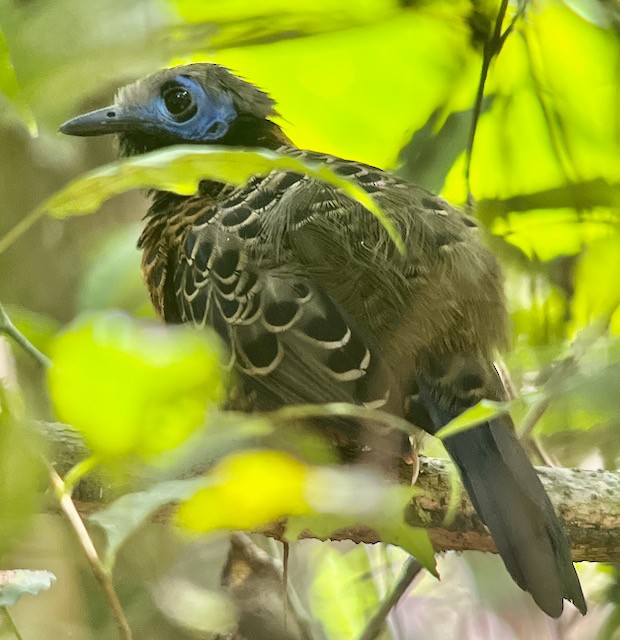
[(246, 490), (597, 282), (343, 595), (411, 539), (482, 412), (131, 387), (180, 169), (121, 518), (20, 471), (9, 87)]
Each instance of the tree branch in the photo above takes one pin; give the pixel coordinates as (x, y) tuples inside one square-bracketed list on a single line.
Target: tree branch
[(587, 502)]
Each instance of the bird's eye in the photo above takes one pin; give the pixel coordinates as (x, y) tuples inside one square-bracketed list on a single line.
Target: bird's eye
[(179, 103)]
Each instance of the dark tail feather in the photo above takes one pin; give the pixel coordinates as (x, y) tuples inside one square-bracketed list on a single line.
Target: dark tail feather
[(512, 502)]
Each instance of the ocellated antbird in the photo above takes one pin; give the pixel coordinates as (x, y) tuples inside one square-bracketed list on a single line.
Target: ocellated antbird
[(317, 305)]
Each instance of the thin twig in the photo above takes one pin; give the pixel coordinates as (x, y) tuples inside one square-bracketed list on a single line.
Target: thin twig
[(258, 556), (102, 577), (534, 414), (509, 29), (563, 369), (545, 456), (342, 409), (9, 329), (410, 570), (285, 599), (491, 48), (12, 625)]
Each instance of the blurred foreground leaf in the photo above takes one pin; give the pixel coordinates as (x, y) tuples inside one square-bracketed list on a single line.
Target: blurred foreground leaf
[(10, 89), (125, 515), (112, 279), (203, 613), (19, 475), (246, 490), (597, 282), (134, 388), (250, 489), (180, 169), (17, 582), (343, 596), (37, 328), (483, 411), (348, 497)]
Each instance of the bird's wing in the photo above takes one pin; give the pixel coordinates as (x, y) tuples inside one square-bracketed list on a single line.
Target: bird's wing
[(290, 341)]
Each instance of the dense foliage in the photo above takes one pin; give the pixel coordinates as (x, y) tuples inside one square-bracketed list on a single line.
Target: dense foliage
[(533, 148)]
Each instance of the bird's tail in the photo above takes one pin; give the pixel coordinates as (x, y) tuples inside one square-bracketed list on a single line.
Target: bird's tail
[(502, 483), (511, 501)]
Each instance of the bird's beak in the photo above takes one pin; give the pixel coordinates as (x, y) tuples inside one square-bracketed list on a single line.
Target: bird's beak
[(112, 119)]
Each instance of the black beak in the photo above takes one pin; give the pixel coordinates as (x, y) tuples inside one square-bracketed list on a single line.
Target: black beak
[(112, 119)]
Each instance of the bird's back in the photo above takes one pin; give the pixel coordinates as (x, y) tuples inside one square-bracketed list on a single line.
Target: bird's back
[(208, 258)]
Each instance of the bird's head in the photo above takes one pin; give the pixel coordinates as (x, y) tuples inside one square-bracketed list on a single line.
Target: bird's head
[(191, 104)]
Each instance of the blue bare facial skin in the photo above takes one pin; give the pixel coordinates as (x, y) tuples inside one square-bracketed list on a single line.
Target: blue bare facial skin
[(182, 110)]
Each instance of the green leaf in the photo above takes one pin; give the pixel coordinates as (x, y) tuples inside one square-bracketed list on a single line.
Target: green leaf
[(246, 490), (597, 282), (120, 519), (391, 529), (112, 279), (15, 583), (181, 168), (413, 540), (37, 328), (9, 87), (351, 497), (20, 471), (342, 595), (202, 613), (484, 411), (134, 388)]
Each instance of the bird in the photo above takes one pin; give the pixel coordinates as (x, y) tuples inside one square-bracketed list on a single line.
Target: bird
[(317, 304)]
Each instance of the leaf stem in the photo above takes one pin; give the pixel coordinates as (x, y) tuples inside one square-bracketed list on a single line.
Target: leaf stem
[(101, 575), (9, 329), (343, 409), (491, 48), (410, 570), (77, 472), (563, 369), (16, 232), (12, 625)]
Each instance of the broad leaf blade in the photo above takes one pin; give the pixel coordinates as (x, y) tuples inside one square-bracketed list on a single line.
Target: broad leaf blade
[(181, 168), (484, 411), (125, 515), (15, 583)]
